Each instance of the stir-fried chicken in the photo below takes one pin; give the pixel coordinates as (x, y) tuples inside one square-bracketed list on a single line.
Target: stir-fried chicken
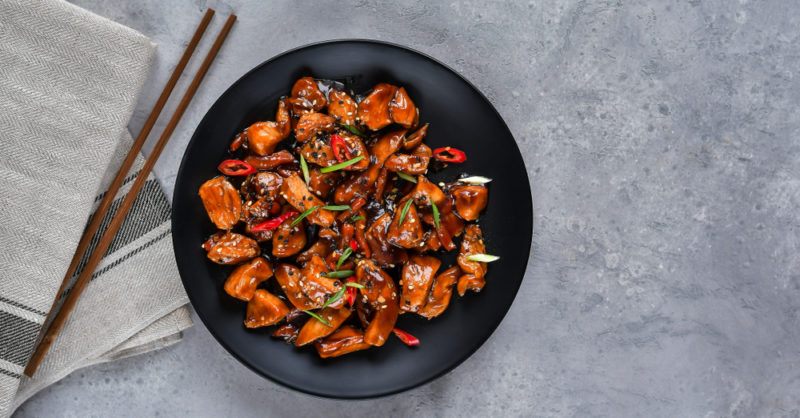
[(336, 193)]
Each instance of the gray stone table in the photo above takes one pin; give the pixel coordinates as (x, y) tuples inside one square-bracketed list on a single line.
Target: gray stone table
[(661, 144)]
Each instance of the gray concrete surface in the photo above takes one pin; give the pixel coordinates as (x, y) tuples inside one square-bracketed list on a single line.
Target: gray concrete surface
[(661, 144)]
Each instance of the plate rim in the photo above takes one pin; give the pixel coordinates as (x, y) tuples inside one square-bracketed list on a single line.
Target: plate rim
[(306, 391)]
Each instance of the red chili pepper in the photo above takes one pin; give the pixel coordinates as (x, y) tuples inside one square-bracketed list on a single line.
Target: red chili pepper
[(449, 155), (273, 223), (339, 147), (406, 338), (351, 293), (236, 168), (354, 244)]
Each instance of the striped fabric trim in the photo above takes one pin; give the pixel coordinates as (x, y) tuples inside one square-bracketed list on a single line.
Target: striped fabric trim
[(150, 211)]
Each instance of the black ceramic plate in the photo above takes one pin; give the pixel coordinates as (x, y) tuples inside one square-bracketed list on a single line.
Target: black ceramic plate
[(460, 116)]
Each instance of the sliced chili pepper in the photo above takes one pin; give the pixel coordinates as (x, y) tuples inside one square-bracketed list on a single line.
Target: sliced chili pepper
[(236, 168), (273, 223), (350, 293), (354, 244), (339, 147), (406, 338), (449, 155)]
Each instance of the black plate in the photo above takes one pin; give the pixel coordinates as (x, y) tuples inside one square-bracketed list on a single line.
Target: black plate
[(459, 116)]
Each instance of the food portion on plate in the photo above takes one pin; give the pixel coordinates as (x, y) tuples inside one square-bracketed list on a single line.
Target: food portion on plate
[(332, 224)]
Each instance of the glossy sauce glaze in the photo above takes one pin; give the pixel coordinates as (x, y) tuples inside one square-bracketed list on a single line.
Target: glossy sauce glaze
[(332, 224)]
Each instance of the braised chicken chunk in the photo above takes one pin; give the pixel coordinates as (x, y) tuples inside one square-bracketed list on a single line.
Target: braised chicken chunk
[(417, 277), (373, 111), (353, 213), (222, 202), (314, 329), (231, 248), (441, 291), (311, 124), (473, 271), (243, 281), (342, 107), (264, 309), (344, 341), (470, 200), (380, 292)]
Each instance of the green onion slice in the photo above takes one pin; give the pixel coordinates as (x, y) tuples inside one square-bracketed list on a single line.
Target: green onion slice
[(483, 258), (318, 318), (338, 208), (406, 177), (404, 212), (435, 214), (304, 168), (303, 215), (341, 274), (343, 257), (475, 180), (354, 130), (356, 218), (354, 284), (341, 165), (336, 296)]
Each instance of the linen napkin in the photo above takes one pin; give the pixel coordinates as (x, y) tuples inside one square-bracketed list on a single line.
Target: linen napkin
[(69, 81)]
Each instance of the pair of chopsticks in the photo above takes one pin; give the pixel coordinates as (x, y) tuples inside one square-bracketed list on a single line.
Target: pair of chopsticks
[(60, 318)]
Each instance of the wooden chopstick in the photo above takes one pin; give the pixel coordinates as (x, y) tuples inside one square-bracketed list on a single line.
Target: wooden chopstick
[(119, 217), (111, 193)]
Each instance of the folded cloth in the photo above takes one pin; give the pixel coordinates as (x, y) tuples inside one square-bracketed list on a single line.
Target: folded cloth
[(69, 81)]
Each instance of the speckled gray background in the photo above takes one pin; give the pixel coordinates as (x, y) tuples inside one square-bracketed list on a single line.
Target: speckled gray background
[(661, 144)]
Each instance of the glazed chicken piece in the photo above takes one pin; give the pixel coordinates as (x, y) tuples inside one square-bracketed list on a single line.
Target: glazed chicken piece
[(262, 137), (383, 252), (261, 208), (422, 150), (409, 234), (264, 309), (344, 341), (288, 240), (310, 124), (265, 133), (470, 200), (473, 271), (441, 291), (231, 248), (222, 202), (425, 192), (306, 95), (417, 275), (342, 107), (415, 139), (317, 287), (271, 161), (262, 184), (314, 329), (321, 249), (373, 111), (296, 193), (322, 184), (409, 164), (431, 243), (359, 186), (288, 332), (381, 294), (402, 110), (289, 276), (283, 118), (243, 281), (318, 151)]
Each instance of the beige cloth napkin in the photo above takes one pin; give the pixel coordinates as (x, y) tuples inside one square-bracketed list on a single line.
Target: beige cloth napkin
[(69, 81)]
